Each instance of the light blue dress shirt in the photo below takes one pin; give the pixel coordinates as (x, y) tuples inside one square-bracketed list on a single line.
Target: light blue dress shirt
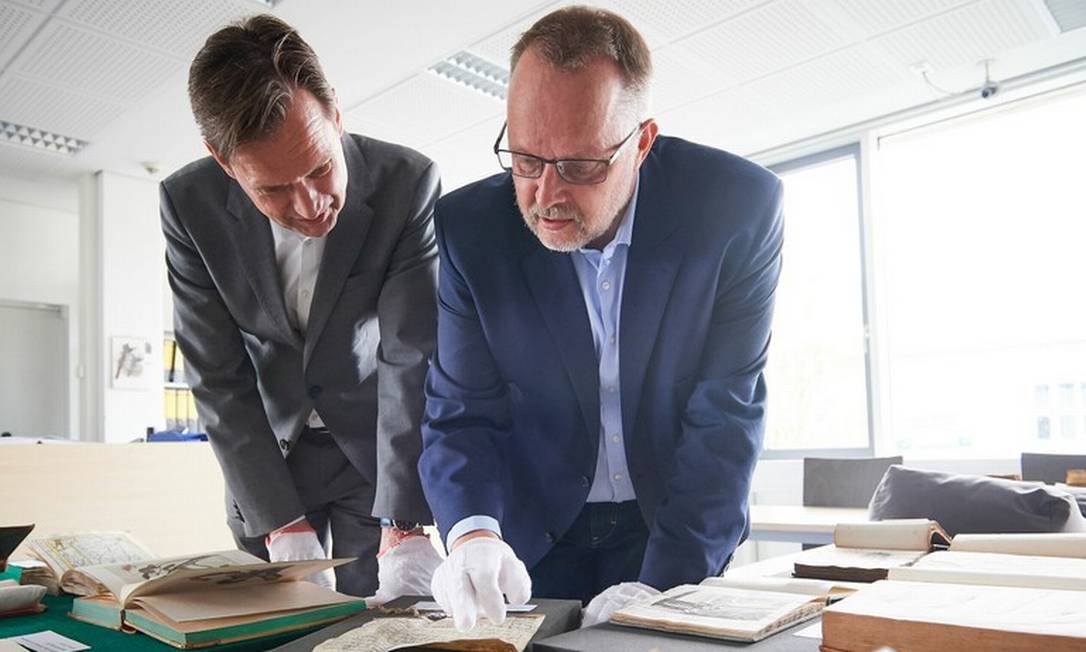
[(601, 275)]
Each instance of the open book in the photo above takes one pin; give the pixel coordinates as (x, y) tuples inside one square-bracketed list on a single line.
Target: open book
[(63, 554), (921, 616), (209, 599), (864, 552), (738, 610), (1048, 561)]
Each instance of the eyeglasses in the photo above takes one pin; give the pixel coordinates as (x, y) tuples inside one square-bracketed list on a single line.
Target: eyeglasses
[(579, 171)]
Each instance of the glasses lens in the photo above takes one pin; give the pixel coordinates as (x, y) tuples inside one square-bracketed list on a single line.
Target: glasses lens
[(522, 165), (583, 172)]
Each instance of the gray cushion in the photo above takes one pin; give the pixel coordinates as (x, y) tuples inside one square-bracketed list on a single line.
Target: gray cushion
[(970, 503)]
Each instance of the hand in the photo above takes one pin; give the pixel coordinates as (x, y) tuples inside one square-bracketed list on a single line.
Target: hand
[(473, 578), (604, 605), (406, 568), (298, 541)]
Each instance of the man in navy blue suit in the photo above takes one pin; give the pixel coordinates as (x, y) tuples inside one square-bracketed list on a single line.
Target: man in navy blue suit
[(596, 403)]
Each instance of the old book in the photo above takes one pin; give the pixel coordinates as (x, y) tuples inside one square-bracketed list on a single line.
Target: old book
[(1053, 544), (996, 569), (65, 553), (210, 599), (864, 552), (736, 610), (422, 633), (17, 600), (915, 616)]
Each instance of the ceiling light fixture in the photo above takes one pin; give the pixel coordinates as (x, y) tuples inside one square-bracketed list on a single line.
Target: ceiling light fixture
[(474, 72), (48, 141)]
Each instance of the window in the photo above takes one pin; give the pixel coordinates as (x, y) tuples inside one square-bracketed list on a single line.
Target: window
[(817, 369), (979, 230)]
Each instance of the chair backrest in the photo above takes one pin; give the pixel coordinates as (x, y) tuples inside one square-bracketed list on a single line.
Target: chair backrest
[(831, 482), (1050, 468)]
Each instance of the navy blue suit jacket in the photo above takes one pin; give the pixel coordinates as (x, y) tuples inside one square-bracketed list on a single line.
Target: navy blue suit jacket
[(512, 420)]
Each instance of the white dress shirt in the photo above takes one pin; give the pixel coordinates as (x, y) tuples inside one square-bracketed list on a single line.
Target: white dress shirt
[(299, 261)]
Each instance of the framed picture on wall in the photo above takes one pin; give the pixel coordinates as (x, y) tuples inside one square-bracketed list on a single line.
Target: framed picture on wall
[(130, 357)]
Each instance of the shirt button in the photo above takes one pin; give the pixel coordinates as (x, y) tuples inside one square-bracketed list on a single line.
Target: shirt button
[(615, 438), (618, 477), (285, 445), (305, 294), (611, 339), (606, 285)]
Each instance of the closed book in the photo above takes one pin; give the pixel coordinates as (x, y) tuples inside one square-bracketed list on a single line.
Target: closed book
[(920, 616)]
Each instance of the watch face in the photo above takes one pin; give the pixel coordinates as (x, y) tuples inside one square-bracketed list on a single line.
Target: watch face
[(405, 525)]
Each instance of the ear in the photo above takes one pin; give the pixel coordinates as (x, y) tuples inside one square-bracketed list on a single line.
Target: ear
[(649, 130), (220, 160)]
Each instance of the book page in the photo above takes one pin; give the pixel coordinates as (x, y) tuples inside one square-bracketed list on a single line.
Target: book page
[(901, 534), (782, 584), (835, 556), (1001, 608), (208, 572), (1056, 544), (63, 553), (394, 633), (114, 578), (720, 611), (245, 600), (996, 569)]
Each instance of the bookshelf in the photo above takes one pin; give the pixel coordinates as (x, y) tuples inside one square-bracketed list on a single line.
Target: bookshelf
[(179, 405)]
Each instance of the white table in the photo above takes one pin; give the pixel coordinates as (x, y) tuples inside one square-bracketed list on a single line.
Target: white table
[(798, 524)]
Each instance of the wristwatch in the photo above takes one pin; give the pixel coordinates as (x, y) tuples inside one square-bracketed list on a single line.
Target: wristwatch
[(404, 526)]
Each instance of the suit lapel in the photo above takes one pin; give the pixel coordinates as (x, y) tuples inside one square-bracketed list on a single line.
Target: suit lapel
[(651, 267), (256, 250), (343, 245), (557, 293)]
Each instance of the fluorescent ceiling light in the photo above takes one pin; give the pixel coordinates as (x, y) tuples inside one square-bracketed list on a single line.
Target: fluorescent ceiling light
[(474, 72), (40, 139), (1068, 14)]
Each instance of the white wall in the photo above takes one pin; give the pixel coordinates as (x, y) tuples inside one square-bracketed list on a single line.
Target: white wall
[(39, 243), (121, 273)]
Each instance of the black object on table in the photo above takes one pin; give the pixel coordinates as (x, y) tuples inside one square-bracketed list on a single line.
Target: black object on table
[(561, 616)]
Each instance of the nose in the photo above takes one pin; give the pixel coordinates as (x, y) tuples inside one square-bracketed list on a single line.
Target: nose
[(306, 200), (549, 187)]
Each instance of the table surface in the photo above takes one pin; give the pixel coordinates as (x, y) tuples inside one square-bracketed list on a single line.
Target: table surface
[(615, 638)]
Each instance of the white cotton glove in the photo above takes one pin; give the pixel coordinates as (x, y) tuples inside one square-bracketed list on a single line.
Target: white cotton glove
[(473, 578), (297, 542), (604, 605), (406, 568)]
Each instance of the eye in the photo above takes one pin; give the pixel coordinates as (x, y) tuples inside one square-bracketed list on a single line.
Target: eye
[(321, 171)]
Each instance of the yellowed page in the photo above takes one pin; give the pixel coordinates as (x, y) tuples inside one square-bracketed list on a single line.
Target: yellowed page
[(393, 633), (994, 569), (204, 576), (245, 600), (116, 579), (1055, 544), (1000, 608), (900, 534)]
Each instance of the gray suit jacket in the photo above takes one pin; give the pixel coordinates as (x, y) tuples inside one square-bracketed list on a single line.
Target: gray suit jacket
[(370, 335)]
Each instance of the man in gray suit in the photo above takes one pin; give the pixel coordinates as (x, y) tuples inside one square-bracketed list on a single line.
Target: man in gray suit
[(303, 266)]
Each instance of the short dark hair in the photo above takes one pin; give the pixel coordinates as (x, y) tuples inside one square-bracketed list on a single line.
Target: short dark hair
[(573, 37), (243, 79)]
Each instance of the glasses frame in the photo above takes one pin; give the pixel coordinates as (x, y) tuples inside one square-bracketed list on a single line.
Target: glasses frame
[(558, 162)]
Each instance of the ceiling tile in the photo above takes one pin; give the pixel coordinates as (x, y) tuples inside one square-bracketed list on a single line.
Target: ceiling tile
[(44, 6), (661, 22), (878, 17), (680, 76), (765, 40), (177, 29), (966, 35), (31, 103), (424, 109), (17, 25), (88, 63), (842, 76)]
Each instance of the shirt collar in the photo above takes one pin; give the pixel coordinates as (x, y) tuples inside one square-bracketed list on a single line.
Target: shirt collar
[(624, 235)]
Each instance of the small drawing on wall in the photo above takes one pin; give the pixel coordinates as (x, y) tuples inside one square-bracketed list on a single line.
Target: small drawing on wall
[(130, 356)]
